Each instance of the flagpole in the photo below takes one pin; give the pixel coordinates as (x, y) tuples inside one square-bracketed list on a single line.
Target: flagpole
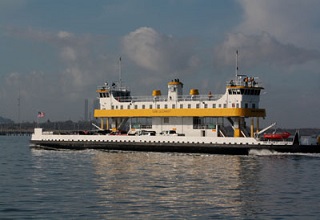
[(37, 121), (40, 115)]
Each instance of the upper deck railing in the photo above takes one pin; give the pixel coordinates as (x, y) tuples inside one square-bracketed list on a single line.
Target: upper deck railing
[(244, 80), (161, 98)]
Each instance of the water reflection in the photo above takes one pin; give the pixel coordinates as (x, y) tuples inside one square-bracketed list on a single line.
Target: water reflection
[(139, 185), (168, 184)]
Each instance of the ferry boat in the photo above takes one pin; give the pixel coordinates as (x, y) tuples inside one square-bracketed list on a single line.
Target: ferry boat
[(178, 122)]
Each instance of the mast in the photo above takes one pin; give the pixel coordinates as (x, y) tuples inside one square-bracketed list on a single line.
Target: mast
[(237, 68), (120, 73)]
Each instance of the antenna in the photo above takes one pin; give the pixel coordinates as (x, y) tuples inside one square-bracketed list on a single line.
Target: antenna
[(237, 68), (120, 80)]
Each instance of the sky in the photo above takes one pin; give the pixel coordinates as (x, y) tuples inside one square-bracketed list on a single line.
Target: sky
[(54, 54)]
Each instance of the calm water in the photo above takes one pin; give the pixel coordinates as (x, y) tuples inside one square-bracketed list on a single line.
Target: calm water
[(90, 184)]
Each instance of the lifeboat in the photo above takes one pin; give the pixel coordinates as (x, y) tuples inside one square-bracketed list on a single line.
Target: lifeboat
[(277, 136)]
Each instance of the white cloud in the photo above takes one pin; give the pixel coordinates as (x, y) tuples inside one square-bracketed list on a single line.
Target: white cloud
[(64, 34), (262, 48), (59, 39), (290, 21), (158, 52), (68, 54), (275, 33)]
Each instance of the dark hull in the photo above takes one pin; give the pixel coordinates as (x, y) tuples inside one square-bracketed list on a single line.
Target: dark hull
[(178, 148)]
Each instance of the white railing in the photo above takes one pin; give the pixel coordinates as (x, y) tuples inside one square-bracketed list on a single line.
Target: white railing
[(165, 98)]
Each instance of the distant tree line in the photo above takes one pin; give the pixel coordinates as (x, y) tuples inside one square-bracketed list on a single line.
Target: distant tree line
[(48, 125)]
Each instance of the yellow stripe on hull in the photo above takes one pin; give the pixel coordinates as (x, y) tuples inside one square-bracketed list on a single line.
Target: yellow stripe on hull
[(216, 112)]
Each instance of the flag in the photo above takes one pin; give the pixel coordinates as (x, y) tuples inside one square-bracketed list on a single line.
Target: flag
[(41, 114)]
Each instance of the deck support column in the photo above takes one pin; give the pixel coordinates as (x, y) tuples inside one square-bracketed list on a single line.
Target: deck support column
[(107, 123), (101, 123), (252, 127), (236, 127)]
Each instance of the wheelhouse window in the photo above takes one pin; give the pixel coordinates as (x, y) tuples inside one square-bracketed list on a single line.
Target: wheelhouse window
[(103, 94), (244, 91)]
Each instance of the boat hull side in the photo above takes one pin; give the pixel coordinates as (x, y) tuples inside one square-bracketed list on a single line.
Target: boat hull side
[(227, 149)]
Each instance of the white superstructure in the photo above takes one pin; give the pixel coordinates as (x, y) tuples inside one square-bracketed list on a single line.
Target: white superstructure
[(193, 115)]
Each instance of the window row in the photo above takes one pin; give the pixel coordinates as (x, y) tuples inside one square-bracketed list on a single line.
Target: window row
[(181, 106), (244, 91), (166, 106)]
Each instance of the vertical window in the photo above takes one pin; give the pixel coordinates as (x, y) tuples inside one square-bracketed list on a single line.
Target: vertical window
[(158, 106), (213, 105), (166, 120), (197, 105), (189, 105), (173, 106), (150, 106), (181, 105)]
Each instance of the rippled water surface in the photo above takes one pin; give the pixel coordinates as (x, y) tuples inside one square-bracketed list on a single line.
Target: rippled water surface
[(91, 184)]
